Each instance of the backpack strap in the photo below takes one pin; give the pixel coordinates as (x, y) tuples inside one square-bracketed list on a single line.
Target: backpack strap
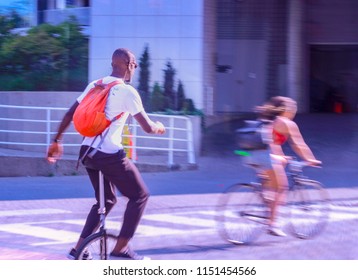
[(117, 117), (94, 151), (99, 83), (80, 159)]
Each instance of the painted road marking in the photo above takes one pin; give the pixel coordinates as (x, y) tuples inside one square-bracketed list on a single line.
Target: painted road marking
[(189, 219), (176, 223), (62, 236), (29, 212)]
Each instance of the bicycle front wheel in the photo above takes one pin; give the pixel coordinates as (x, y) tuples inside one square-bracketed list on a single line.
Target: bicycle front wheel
[(309, 207), (97, 246), (242, 214)]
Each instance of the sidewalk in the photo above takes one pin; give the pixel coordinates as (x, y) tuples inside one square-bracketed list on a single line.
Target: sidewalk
[(35, 164)]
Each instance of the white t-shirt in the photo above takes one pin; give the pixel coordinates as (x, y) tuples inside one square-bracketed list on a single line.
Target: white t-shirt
[(122, 98)]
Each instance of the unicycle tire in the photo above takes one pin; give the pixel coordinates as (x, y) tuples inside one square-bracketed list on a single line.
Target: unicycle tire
[(97, 246)]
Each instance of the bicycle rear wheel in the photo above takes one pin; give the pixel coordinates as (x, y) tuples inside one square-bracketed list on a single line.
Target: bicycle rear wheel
[(97, 246), (309, 207), (242, 214)]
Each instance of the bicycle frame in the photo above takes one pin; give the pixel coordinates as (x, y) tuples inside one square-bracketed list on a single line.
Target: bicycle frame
[(242, 218), (294, 173)]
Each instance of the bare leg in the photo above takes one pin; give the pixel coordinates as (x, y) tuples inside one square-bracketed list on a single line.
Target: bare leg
[(279, 180), (272, 203)]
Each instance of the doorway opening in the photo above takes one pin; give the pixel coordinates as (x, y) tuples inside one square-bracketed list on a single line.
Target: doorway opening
[(333, 78)]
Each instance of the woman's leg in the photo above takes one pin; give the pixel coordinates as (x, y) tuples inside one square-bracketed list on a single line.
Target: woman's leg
[(279, 182)]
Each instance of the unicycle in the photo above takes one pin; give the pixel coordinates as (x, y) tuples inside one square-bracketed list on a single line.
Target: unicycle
[(98, 245)]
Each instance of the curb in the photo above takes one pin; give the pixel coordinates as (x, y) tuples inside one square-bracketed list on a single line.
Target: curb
[(18, 166)]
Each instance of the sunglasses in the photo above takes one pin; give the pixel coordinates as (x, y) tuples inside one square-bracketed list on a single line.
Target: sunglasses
[(133, 63)]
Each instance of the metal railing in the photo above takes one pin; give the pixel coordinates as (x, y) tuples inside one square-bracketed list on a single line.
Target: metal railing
[(36, 126)]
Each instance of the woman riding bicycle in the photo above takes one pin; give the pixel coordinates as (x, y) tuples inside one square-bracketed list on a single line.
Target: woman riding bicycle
[(281, 110)]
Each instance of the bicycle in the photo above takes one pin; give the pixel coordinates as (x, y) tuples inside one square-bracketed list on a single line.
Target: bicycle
[(98, 245), (244, 207)]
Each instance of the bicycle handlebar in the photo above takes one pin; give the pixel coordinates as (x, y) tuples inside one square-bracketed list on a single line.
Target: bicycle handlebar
[(298, 165)]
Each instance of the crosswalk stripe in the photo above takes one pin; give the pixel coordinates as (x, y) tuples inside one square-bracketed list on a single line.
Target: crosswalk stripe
[(62, 236), (176, 219), (339, 213), (148, 231), (145, 230), (198, 221), (29, 212)]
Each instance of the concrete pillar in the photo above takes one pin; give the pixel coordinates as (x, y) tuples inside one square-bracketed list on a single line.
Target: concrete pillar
[(209, 56), (60, 4), (296, 81), (33, 13), (51, 4)]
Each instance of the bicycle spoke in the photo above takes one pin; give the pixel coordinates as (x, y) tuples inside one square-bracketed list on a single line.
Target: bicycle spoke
[(309, 209), (242, 214)]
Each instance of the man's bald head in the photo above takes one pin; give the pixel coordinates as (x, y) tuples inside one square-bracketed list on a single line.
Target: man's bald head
[(123, 63), (121, 58)]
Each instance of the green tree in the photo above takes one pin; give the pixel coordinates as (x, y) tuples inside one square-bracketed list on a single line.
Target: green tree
[(76, 45), (32, 64), (48, 58), (4, 26), (158, 101), (144, 78), (15, 20), (169, 80), (188, 106), (19, 11), (180, 96), (7, 23)]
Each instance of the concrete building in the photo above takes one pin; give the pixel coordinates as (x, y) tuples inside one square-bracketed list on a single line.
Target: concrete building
[(231, 54)]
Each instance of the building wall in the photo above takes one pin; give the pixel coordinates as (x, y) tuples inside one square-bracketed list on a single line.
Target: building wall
[(332, 21), (288, 28), (173, 30), (242, 55), (192, 34)]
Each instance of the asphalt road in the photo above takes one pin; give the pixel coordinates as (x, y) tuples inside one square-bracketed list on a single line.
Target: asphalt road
[(212, 176)]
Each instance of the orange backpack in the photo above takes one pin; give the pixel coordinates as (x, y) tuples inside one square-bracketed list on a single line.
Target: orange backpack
[(89, 118)]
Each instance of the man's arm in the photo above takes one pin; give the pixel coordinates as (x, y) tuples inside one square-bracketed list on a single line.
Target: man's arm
[(148, 125), (55, 150), (66, 121)]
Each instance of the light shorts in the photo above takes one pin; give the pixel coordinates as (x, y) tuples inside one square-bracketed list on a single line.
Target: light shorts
[(261, 158)]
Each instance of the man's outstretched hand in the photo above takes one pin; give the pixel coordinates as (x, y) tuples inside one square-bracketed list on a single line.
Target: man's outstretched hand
[(54, 152)]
